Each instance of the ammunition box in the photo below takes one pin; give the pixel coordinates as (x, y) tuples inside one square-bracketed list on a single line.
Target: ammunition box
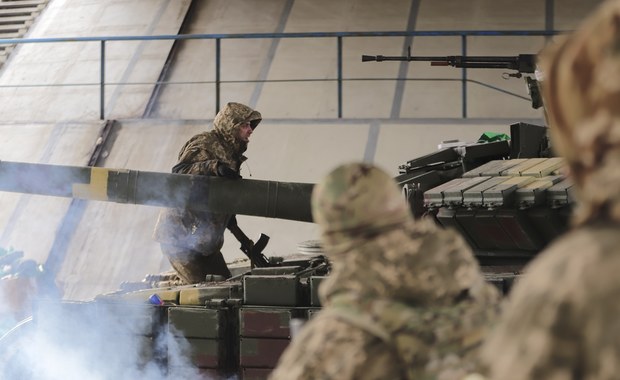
[(261, 352), (203, 353), (282, 290), (198, 322), (265, 323)]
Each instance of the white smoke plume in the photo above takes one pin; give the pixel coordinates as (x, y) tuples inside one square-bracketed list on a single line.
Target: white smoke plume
[(96, 341)]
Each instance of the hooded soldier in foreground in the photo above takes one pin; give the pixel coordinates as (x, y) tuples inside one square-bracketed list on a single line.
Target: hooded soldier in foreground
[(405, 299), (562, 317), (192, 239)]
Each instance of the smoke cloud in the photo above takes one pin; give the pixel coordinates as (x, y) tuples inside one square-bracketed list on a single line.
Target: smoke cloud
[(96, 341)]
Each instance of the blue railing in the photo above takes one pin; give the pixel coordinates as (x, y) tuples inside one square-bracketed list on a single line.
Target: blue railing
[(339, 36)]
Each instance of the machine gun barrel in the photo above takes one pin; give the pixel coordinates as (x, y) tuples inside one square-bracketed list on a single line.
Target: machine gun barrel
[(271, 199), (381, 58), (523, 63)]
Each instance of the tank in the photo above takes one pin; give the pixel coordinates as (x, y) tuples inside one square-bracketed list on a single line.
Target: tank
[(507, 197), (505, 194)]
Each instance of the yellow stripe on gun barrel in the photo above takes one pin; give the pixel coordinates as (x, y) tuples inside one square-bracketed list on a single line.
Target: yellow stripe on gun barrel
[(97, 189)]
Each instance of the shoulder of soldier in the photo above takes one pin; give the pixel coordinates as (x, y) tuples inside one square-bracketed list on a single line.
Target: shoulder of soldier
[(317, 351), (201, 138), (200, 142)]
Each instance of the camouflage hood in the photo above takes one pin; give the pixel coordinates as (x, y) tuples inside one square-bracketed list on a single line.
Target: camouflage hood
[(376, 248), (582, 97), (228, 120)]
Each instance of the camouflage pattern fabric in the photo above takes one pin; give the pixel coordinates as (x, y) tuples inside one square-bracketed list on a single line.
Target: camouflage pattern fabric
[(561, 320), (203, 232), (582, 99), (405, 299)]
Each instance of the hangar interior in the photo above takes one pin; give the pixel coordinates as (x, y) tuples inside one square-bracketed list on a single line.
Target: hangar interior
[(322, 106)]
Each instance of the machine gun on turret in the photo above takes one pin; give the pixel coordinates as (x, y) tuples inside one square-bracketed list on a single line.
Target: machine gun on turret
[(520, 65)]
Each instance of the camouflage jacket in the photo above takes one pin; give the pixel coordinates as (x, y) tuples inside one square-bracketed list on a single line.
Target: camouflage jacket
[(561, 321), (409, 304), (204, 231)]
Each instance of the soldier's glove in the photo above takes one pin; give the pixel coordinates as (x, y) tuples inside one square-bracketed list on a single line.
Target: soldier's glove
[(224, 170)]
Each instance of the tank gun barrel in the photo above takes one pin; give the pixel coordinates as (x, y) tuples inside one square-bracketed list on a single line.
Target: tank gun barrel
[(271, 199)]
